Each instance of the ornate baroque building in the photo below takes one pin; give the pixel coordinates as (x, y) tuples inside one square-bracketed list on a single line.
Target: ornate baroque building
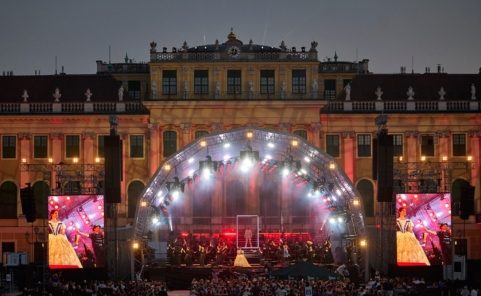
[(53, 125)]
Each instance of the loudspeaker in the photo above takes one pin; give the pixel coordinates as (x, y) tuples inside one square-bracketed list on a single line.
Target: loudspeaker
[(113, 168), (374, 159), (461, 246), (384, 166), (466, 202), (27, 198)]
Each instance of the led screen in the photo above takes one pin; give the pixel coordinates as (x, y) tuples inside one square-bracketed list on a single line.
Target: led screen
[(423, 229), (76, 231)]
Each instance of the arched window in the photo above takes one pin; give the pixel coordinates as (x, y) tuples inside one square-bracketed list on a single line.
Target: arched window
[(8, 200), (134, 191), (235, 199), (169, 143), (366, 189), (456, 189), (41, 191)]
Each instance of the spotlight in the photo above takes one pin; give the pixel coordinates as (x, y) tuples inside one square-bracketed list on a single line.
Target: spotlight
[(270, 145), (203, 143), (423, 158), (226, 145), (469, 158), (356, 202), (167, 167), (155, 221), (207, 166), (332, 165), (143, 204), (307, 159), (249, 135), (363, 243), (191, 160), (175, 187), (332, 220), (295, 143)]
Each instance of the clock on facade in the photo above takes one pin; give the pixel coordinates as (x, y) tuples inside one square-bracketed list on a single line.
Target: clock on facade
[(233, 51)]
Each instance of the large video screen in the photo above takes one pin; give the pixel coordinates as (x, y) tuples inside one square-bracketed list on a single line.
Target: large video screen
[(76, 231), (423, 229)]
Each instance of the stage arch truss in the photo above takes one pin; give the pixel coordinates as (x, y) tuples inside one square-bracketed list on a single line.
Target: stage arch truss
[(322, 183)]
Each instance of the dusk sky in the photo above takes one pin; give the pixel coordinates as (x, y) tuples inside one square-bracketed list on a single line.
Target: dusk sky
[(388, 33)]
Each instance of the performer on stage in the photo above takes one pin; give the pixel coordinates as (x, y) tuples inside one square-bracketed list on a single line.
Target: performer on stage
[(61, 254), (97, 238), (409, 251), (241, 260), (248, 237), (444, 236), (202, 255)]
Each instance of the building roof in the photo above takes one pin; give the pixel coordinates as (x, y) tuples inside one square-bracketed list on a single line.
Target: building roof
[(426, 87), (104, 88)]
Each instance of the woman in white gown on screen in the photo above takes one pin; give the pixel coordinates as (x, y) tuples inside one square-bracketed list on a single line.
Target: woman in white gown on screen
[(409, 251), (61, 254), (241, 260)]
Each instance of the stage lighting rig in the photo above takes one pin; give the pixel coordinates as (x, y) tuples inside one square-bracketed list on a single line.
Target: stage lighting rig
[(175, 187), (207, 167), (290, 165), (248, 158)]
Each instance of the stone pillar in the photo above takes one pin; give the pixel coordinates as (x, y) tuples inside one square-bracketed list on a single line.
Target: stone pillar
[(25, 154), (125, 156), (285, 127), (154, 148), (314, 138), (56, 140), (187, 135), (475, 152), (443, 143), (411, 146), (88, 148), (349, 153)]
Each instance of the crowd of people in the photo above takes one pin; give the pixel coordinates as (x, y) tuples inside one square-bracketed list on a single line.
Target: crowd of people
[(265, 286), (98, 288), (216, 250)]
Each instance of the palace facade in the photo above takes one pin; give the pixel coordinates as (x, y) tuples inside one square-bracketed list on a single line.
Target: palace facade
[(52, 128)]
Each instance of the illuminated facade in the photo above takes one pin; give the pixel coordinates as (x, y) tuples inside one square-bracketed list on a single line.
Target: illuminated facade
[(186, 93)]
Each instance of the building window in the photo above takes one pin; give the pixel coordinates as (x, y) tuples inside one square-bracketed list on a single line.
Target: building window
[(267, 82), (170, 143), (40, 146), (332, 145), (101, 146), (200, 134), (364, 145), (136, 146), (9, 147), (134, 89), (8, 200), (72, 146), (329, 89), (233, 82), (397, 145), (459, 145), (169, 82), (301, 134), (298, 81), (201, 82), (427, 145)]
